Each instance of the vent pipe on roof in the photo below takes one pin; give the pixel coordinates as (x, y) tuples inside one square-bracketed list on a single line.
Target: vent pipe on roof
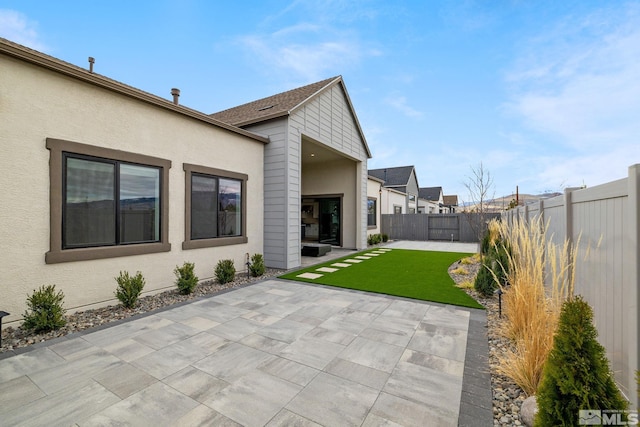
[(176, 94), (91, 62)]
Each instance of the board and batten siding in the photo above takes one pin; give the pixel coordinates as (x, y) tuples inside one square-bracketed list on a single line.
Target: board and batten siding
[(328, 119)]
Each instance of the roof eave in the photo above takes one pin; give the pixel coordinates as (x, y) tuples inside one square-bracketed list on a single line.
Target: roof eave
[(276, 115), (59, 66)]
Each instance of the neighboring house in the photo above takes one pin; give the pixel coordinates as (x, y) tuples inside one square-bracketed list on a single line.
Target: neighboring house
[(430, 200), (450, 203), (392, 201), (98, 177), (374, 200), (403, 180), (315, 185)]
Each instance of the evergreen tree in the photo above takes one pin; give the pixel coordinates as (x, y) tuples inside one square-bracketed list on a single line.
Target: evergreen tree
[(576, 374)]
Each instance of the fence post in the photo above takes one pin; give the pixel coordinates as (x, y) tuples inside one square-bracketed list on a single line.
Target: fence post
[(568, 217), (633, 282)]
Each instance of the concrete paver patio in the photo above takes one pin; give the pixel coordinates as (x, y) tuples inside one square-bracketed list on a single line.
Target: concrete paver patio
[(272, 353)]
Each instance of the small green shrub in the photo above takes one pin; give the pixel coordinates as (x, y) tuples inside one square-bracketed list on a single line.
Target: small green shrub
[(485, 245), (186, 280), (225, 271), (256, 268), (45, 312), (129, 288), (499, 260), (385, 238), (485, 283), (374, 239), (576, 374)]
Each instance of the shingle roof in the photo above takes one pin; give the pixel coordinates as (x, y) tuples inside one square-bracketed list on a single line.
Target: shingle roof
[(430, 193), (450, 200), (393, 177), (271, 107)]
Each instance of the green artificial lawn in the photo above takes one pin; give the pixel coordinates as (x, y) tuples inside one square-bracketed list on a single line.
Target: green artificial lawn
[(414, 274)]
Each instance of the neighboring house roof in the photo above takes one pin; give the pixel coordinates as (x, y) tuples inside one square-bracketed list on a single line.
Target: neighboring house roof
[(450, 200), (23, 53), (283, 104), (373, 178), (393, 177), (430, 193)]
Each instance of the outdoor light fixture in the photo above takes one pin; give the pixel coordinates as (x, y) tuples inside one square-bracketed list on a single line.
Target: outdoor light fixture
[(248, 265), (499, 292)]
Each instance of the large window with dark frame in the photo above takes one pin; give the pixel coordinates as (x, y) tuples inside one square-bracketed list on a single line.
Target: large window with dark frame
[(105, 203), (215, 207), (371, 212), (109, 202)]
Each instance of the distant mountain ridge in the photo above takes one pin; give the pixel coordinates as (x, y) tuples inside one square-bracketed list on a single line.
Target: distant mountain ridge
[(502, 203)]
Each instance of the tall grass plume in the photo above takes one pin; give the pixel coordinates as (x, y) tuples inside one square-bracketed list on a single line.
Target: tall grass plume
[(540, 276)]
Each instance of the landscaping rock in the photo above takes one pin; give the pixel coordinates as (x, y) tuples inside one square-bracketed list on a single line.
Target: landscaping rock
[(507, 396), (13, 338), (528, 410)]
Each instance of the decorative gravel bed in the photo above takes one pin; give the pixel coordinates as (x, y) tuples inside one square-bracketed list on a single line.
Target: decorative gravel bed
[(507, 396), (13, 338)]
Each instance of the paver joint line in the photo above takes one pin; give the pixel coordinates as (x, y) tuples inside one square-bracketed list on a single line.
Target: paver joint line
[(333, 356)]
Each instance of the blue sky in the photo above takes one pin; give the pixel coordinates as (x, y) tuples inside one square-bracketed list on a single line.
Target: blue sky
[(546, 94)]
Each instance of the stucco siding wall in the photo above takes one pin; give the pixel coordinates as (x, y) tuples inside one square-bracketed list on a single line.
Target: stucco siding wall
[(38, 104), (373, 192), (391, 199), (336, 178)]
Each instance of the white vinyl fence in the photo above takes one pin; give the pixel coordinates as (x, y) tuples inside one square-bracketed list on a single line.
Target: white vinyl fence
[(605, 222)]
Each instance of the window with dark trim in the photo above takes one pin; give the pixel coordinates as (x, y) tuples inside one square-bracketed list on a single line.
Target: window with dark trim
[(397, 209), (109, 202), (105, 203), (371, 212), (215, 208)]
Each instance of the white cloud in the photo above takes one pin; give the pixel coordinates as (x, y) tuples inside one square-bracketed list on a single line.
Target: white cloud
[(16, 27), (307, 61), (317, 45), (578, 83), (589, 169), (400, 104)]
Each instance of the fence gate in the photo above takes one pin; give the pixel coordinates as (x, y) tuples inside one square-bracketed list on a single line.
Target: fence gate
[(444, 227)]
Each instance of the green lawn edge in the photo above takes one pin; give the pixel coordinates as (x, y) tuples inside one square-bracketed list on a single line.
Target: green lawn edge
[(421, 275)]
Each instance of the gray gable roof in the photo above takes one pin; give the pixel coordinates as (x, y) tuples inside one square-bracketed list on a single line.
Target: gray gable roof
[(272, 106), (393, 177), (283, 104), (430, 193)]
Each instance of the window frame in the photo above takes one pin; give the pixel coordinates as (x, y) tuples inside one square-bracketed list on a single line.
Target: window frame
[(190, 243), (375, 213), (56, 253)]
